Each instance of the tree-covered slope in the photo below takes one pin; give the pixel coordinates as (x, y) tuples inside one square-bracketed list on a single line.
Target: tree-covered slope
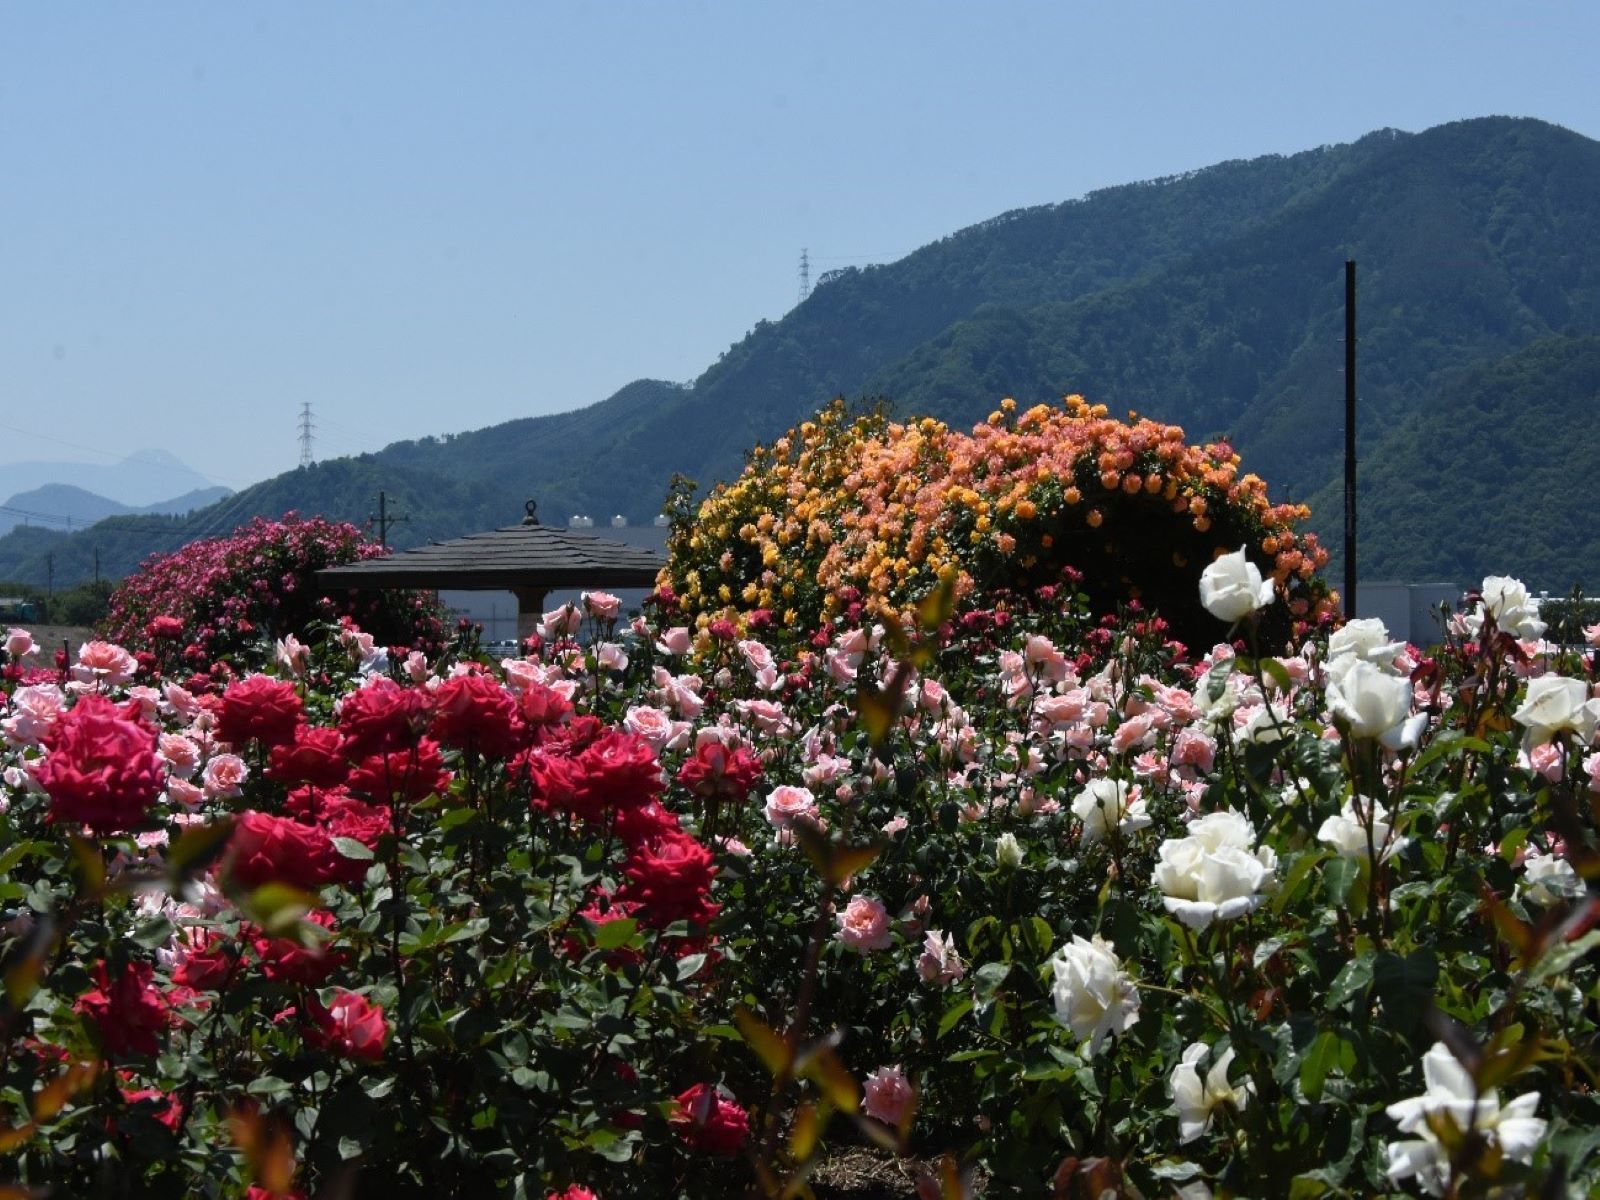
[(1491, 476)]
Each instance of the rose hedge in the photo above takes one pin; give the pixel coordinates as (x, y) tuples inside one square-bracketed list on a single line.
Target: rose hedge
[(1046, 891), (866, 510)]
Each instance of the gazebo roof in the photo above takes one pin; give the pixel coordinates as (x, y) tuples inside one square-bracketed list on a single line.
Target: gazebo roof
[(529, 555)]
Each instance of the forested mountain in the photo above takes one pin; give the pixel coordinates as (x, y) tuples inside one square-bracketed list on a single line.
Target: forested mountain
[(1212, 299)]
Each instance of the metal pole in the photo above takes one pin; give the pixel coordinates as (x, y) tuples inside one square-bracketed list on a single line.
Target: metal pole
[(1350, 437)]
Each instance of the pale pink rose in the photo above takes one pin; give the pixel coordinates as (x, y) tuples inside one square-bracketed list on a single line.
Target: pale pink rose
[(766, 715), (184, 793), (602, 606), (887, 1096), (756, 655), (182, 755), (768, 679), (656, 727), (34, 712), (864, 925), (104, 662), (1591, 767), (1135, 731), (674, 641), (1191, 748), (683, 693), (611, 657), (561, 622), (825, 769), (20, 644), (939, 962), (1041, 655), (1149, 766), (1545, 760), (416, 667), (224, 775), (895, 824), (931, 696), (1179, 703), (292, 655), (787, 804), (180, 700), (840, 668), (733, 846)]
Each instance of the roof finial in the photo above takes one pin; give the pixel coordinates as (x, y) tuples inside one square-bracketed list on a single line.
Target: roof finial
[(532, 509)]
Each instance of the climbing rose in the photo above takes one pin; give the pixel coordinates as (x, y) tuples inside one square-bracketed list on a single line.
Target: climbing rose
[(102, 769)]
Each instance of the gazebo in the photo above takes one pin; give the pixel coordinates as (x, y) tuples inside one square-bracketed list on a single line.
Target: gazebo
[(529, 560)]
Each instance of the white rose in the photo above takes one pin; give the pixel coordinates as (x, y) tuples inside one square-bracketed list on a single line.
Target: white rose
[(1108, 802), (1347, 832), (1547, 880), (1366, 638), (1452, 1094), (1094, 996), (1514, 611), (1008, 852), (1216, 873), (1373, 703), (1555, 704), (1194, 1099), (1231, 588)]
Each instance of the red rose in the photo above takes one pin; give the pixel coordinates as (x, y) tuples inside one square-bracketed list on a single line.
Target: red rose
[(410, 774), (709, 1122), (384, 716), (207, 963), (473, 712), (618, 770), (130, 1014), (553, 781), (259, 707), (716, 771), (102, 769), (542, 708), (351, 1027), (315, 756), (286, 959), (164, 628), (670, 877), (267, 849), (644, 823)]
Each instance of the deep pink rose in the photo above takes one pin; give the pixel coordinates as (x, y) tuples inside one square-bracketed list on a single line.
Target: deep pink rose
[(259, 707), (351, 1027), (129, 1013), (709, 1122), (102, 769)]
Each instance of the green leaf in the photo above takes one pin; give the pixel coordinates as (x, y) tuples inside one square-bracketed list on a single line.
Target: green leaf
[(689, 966), (613, 934), (1338, 876), (1327, 1052), (198, 846), (351, 848), (1355, 976), (953, 1014), (1405, 985)]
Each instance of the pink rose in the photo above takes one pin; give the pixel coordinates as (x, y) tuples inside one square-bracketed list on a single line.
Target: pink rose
[(674, 641), (864, 924), (224, 775), (20, 644), (939, 962), (104, 662), (561, 622), (656, 727), (787, 803), (602, 606), (182, 756), (889, 1097), (611, 657)]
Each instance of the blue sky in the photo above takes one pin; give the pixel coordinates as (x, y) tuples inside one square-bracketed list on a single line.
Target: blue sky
[(423, 218)]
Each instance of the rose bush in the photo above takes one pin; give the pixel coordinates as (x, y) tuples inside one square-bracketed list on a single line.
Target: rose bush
[(648, 911)]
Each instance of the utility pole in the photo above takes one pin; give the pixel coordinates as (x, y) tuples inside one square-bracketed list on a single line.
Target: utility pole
[(97, 566), (1350, 437), (49, 575), (384, 520), (306, 429)]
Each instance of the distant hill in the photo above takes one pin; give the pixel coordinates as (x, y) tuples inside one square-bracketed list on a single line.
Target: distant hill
[(1211, 299), (63, 506), (144, 477)]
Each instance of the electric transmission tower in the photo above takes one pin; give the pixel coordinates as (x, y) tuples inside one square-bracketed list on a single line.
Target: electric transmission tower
[(306, 429), (805, 274)]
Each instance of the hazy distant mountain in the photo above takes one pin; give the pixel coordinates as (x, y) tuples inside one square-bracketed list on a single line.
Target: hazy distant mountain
[(65, 507), (144, 477), (1212, 299)]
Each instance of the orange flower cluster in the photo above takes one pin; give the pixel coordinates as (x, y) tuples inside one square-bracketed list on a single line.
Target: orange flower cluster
[(890, 509)]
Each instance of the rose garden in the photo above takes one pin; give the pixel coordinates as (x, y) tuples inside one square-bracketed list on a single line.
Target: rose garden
[(1006, 812)]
